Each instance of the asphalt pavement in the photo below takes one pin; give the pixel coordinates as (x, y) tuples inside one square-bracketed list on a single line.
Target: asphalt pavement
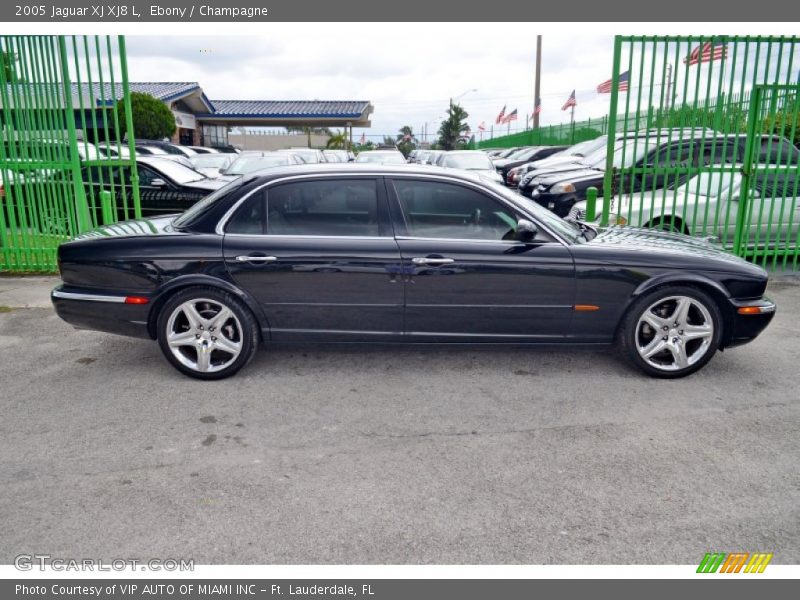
[(392, 455)]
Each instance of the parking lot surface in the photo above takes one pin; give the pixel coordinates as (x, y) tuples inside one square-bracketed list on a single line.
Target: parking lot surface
[(395, 455)]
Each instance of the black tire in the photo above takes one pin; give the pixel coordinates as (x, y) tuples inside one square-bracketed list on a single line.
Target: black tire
[(243, 328), (668, 224), (630, 333)]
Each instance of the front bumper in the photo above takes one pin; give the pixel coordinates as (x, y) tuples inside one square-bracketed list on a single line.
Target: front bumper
[(750, 318), (99, 311)]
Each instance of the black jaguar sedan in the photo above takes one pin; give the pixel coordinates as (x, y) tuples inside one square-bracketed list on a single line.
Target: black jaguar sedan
[(368, 253)]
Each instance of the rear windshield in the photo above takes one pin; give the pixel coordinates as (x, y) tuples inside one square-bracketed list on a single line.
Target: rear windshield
[(193, 213)]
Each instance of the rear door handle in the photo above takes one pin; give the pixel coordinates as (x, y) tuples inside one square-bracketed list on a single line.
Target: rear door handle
[(432, 261), (256, 258)]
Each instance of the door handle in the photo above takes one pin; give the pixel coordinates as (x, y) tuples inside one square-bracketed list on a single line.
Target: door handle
[(431, 262), (256, 258)]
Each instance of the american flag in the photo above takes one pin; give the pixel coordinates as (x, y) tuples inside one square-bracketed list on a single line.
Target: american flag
[(706, 53), (501, 116), (605, 87), (512, 116), (537, 108), (570, 101), (363, 139), (482, 126)]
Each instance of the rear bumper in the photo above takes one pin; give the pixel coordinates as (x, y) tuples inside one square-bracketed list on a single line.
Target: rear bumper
[(747, 327), (84, 309)]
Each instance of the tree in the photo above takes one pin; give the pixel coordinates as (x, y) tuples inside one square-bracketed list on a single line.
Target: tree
[(152, 119), (454, 131), (337, 141), (406, 141)]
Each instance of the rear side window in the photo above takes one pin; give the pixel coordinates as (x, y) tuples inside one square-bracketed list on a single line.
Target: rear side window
[(777, 152)]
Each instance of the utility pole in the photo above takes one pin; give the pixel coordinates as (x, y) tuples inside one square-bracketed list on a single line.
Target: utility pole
[(537, 87)]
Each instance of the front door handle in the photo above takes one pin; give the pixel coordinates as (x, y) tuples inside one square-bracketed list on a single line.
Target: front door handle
[(431, 262), (262, 259)]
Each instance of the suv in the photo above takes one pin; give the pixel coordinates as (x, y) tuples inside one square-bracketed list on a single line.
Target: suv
[(677, 157)]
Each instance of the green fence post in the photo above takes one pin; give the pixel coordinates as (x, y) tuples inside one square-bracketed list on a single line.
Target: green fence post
[(591, 203), (81, 205), (107, 207), (608, 179)]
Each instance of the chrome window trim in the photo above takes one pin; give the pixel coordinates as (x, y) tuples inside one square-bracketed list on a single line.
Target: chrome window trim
[(220, 228), (88, 297)]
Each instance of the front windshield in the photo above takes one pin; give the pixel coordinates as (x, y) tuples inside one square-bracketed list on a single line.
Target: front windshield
[(507, 153), (588, 147), (568, 231), (177, 172), (210, 161), (248, 164), (199, 208), (473, 162), (521, 154), (308, 156)]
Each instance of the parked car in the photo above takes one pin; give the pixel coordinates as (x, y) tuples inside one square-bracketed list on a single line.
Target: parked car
[(525, 155), (114, 150), (708, 205), (432, 157), (507, 152), (145, 150), (570, 156), (560, 191), (212, 164), (309, 155), (165, 186), (470, 160), (383, 157), (379, 253), (167, 147), (253, 160)]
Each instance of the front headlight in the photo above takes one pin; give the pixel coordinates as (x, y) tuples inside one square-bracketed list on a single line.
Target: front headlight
[(562, 188)]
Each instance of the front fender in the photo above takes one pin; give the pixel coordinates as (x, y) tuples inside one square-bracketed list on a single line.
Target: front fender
[(680, 278)]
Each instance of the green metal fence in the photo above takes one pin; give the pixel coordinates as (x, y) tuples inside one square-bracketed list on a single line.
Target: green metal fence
[(551, 135), (64, 168), (711, 125)]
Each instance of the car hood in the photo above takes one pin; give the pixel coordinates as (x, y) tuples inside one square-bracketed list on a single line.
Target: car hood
[(683, 249), (572, 175), (555, 161), (554, 170)]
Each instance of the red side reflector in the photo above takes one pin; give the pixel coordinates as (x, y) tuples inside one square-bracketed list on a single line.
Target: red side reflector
[(136, 300), (585, 307)]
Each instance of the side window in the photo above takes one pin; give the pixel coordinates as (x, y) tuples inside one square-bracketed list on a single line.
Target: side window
[(722, 151), (146, 176), (676, 155), (336, 207), (442, 210), (777, 152), (251, 217)]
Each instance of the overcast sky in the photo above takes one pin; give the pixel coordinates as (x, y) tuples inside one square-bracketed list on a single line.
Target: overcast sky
[(408, 71)]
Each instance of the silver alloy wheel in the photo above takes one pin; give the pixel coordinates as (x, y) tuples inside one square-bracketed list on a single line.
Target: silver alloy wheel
[(674, 333), (204, 335)]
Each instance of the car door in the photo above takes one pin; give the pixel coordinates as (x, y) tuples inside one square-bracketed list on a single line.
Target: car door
[(319, 256), (467, 279)]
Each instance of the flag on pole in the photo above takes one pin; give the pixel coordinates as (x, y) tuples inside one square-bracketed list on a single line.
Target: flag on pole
[(605, 87), (570, 101), (501, 116), (706, 53), (482, 126), (363, 138), (538, 107), (512, 116)]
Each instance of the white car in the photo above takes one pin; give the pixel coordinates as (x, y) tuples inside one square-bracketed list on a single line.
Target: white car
[(211, 165), (383, 157), (708, 205), (471, 160)]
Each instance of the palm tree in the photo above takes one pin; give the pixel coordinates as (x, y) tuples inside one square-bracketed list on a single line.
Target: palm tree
[(454, 131), (406, 135), (337, 141)]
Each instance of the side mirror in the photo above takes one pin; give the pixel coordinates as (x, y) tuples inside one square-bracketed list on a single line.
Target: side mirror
[(526, 231), (158, 182)]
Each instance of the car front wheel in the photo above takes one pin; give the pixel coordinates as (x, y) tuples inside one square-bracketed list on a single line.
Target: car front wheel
[(672, 331), (207, 333)]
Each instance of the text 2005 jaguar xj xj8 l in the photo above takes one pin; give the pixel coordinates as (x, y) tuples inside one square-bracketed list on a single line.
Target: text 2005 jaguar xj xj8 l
[(362, 253)]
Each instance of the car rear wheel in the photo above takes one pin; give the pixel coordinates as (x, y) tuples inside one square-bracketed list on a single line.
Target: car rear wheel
[(672, 331), (207, 333)]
